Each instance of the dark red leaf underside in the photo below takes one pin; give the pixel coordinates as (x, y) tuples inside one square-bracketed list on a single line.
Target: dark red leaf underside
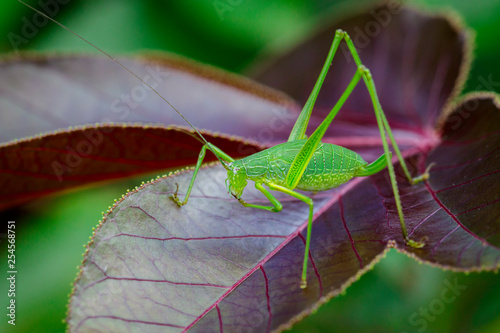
[(214, 264), (67, 159), (62, 119), (466, 179), (417, 62)]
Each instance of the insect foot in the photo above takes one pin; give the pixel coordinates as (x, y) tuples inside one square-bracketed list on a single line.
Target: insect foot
[(176, 198), (424, 176), (303, 284), (414, 244)]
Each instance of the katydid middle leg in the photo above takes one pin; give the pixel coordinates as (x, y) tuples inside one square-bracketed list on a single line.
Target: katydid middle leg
[(277, 207), (381, 118), (385, 130)]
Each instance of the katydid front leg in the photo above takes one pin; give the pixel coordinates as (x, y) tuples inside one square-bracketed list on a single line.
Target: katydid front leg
[(220, 154)]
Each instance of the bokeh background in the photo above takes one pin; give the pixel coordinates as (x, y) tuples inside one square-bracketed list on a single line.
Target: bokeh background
[(50, 233)]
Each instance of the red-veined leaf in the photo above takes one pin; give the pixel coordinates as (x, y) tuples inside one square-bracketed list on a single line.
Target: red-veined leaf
[(214, 265)]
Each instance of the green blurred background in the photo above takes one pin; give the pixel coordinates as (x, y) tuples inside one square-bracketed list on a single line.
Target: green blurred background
[(51, 232)]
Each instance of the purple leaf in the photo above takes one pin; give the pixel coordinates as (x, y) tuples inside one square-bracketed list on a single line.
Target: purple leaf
[(213, 265), (76, 134)]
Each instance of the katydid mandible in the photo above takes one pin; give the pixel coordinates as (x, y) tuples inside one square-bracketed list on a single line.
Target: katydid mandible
[(301, 163)]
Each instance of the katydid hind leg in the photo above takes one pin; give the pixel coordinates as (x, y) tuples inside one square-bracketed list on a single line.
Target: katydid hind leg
[(375, 167), (379, 112), (367, 77), (302, 159), (384, 131), (300, 127), (305, 154), (412, 180)]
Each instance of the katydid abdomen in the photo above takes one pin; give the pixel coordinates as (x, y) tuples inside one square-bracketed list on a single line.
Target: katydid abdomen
[(329, 167)]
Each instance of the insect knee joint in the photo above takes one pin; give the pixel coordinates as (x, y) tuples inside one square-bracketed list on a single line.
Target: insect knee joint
[(310, 202), (364, 70)]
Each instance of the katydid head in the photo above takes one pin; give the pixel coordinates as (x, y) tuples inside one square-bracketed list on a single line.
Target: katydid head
[(236, 180)]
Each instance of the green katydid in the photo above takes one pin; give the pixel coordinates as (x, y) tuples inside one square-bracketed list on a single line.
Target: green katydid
[(302, 163), (308, 164)]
